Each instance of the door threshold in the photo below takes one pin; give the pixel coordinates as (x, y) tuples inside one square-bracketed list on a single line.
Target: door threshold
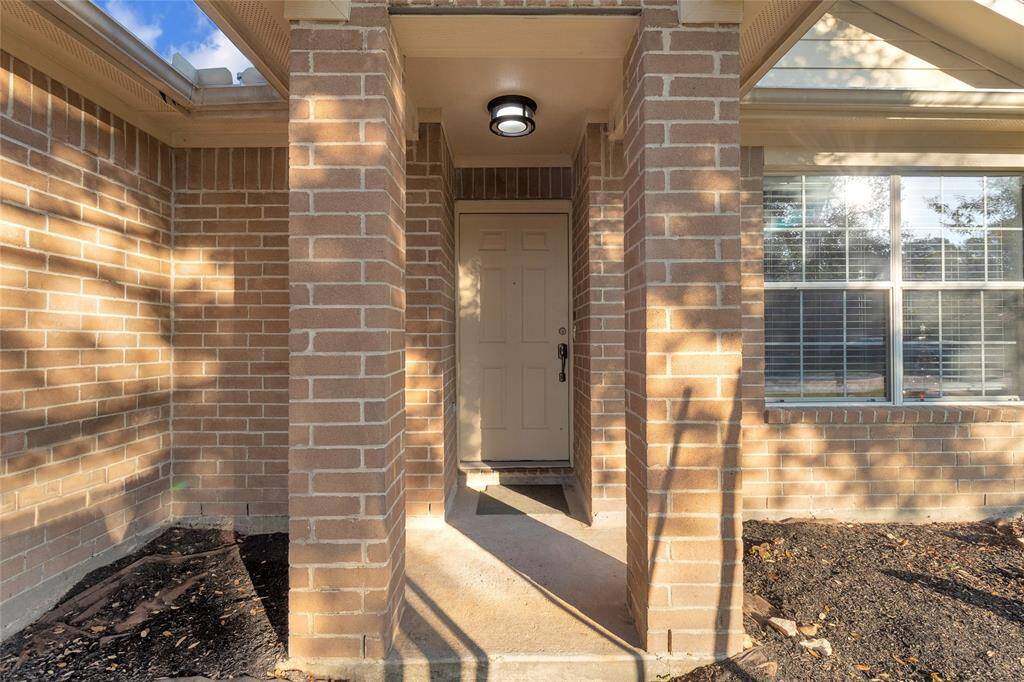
[(479, 475), (515, 464)]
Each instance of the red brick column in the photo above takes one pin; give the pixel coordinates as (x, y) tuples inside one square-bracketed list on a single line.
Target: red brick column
[(683, 329), (347, 269)]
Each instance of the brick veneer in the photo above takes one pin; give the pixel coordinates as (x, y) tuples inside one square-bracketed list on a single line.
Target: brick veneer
[(86, 337), (430, 282), (915, 462), (347, 257), (139, 282), (599, 455), (513, 183), (682, 307), (230, 427)]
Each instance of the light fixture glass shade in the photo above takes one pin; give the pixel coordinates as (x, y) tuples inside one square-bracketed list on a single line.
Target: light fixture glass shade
[(512, 115)]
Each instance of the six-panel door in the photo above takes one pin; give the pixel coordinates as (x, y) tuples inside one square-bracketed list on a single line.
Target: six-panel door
[(513, 313)]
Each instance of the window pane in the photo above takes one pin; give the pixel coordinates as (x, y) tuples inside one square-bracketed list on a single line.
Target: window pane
[(922, 253), (783, 255), (965, 254), (783, 202), (782, 317), (826, 254), (961, 343), (866, 369), (1002, 316), (823, 371), (1005, 255), (1003, 201), (823, 199), (869, 253), (782, 372), (823, 316), (826, 344), (962, 201), (960, 313), (921, 202), (826, 228), (1003, 329), (962, 228)]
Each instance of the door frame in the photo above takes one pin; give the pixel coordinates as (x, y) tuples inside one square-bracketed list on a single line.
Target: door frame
[(541, 206)]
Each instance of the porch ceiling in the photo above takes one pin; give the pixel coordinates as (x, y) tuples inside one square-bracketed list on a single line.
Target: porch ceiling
[(571, 66)]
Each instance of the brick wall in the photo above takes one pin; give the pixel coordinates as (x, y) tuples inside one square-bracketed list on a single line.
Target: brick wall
[(230, 428), (431, 457), (347, 271), (683, 328), (138, 281), (86, 337), (925, 462), (599, 458), (513, 183)]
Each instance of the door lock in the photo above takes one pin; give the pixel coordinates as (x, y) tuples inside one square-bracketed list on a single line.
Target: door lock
[(563, 355)]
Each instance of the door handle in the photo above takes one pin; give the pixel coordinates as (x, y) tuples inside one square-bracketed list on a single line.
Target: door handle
[(563, 355)]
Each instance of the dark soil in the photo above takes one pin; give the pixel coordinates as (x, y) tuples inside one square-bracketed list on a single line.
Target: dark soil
[(897, 602), (232, 621)]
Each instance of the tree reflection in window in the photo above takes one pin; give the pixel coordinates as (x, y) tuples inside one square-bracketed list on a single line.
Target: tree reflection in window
[(962, 228), (827, 228)]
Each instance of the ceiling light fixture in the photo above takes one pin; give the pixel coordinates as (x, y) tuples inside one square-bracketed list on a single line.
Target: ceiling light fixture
[(512, 115)]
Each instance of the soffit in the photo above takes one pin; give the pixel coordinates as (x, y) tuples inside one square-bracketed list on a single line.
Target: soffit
[(570, 65)]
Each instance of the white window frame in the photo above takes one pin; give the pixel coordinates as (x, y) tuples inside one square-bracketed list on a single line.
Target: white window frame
[(895, 285)]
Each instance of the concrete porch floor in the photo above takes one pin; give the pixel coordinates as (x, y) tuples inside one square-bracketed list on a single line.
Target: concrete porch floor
[(537, 596)]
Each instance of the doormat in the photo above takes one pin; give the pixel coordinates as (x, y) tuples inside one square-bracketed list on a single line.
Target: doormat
[(522, 499)]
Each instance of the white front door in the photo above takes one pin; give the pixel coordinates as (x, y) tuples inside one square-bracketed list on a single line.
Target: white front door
[(513, 314)]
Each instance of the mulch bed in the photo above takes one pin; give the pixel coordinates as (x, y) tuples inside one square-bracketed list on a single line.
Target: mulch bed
[(896, 602), (191, 602)]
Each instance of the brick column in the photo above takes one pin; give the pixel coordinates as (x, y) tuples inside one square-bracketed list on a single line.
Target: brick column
[(430, 278), (599, 444), (347, 269), (683, 329)]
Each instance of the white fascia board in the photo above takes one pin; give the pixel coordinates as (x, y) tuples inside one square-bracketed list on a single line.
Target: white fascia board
[(710, 11), (795, 160), (989, 104)]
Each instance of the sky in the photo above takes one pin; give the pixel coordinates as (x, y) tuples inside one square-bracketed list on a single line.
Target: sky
[(170, 26)]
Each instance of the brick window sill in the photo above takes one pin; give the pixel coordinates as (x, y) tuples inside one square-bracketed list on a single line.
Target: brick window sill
[(889, 414)]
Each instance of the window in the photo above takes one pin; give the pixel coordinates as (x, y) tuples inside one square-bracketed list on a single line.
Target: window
[(893, 288)]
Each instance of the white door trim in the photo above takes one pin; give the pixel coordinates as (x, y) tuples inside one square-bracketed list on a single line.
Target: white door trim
[(546, 206)]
